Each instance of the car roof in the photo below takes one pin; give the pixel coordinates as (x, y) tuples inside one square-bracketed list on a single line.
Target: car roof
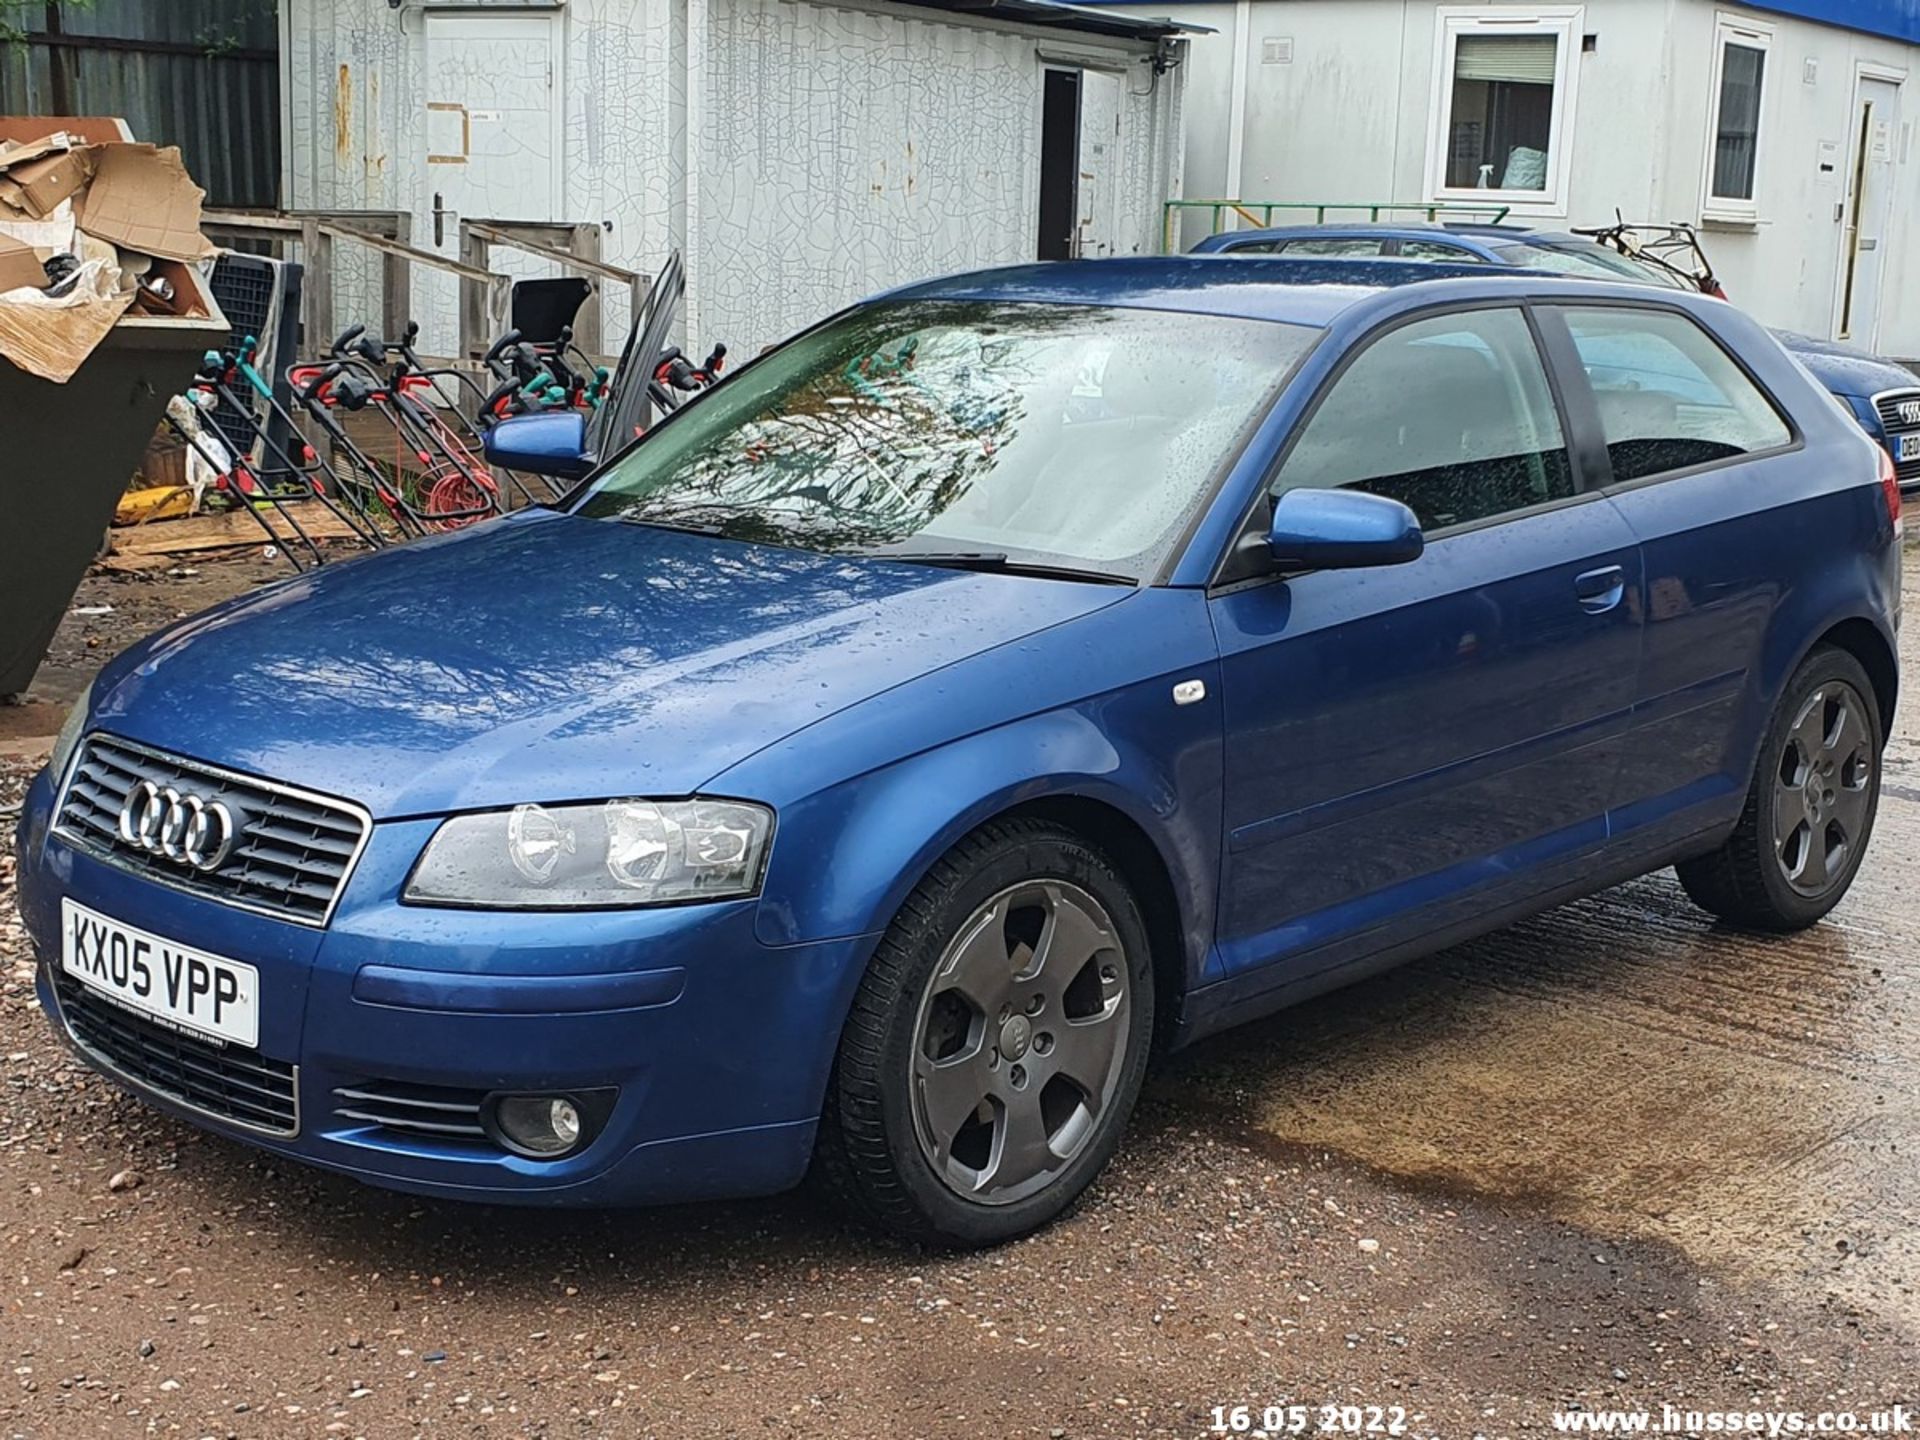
[(1313, 292), (1500, 230), (1401, 230)]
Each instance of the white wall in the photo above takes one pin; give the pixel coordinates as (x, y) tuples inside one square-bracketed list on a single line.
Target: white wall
[(1348, 120), (834, 150), (851, 149), (1784, 270), (342, 125)]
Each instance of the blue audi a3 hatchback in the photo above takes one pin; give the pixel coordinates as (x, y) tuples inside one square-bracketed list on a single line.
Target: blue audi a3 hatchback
[(1011, 676)]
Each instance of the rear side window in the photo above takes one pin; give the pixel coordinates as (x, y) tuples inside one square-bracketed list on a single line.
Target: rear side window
[(1329, 245), (1435, 250), (1451, 416), (1669, 396)]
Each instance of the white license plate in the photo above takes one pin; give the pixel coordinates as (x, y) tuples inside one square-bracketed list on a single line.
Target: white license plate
[(1907, 447), (176, 985)]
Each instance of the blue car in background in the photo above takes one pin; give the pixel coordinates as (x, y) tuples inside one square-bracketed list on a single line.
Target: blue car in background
[(869, 769), (1883, 396)]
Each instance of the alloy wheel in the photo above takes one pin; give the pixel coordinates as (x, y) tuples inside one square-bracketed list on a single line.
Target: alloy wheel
[(1020, 1041), (1823, 789)]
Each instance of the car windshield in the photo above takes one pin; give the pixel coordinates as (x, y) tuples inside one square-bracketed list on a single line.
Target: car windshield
[(1583, 258), (1075, 436)]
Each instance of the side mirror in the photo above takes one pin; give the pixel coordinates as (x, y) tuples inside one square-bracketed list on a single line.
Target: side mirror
[(1341, 530), (553, 442)]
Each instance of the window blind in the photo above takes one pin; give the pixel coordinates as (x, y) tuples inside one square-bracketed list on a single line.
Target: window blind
[(1519, 59)]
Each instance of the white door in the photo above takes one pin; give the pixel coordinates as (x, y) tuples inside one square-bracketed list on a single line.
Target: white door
[(493, 143), (493, 115), (1101, 103), (1866, 209)]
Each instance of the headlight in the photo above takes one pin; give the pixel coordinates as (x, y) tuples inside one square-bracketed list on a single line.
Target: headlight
[(68, 739), (620, 852), (1862, 411)]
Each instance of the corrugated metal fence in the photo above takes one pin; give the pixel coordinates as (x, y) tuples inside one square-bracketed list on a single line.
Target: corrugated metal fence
[(200, 74)]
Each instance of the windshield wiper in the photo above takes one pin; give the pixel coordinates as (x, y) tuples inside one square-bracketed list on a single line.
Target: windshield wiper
[(996, 560), (692, 520), (685, 527)]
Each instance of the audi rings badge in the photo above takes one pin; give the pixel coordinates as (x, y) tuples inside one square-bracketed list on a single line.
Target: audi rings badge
[(185, 827)]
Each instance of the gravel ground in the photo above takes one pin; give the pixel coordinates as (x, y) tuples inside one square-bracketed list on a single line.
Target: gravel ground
[(1611, 1157), (110, 611)]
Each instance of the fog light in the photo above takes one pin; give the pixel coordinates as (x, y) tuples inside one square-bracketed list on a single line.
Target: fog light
[(543, 1126)]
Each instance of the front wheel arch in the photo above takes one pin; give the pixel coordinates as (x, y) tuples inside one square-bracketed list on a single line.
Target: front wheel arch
[(1144, 868), (845, 858), (869, 1152)]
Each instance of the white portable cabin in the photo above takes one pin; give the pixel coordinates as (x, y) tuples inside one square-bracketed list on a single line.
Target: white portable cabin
[(1785, 130), (800, 155)]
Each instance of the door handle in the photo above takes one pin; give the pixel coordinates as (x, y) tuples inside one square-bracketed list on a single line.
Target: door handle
[(1598, 591)]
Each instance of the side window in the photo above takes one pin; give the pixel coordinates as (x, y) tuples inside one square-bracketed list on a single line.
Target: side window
[(1252, 247), (1739, 78), (1434, 250), (1669, 396), (1348, 245), (1452, 416)]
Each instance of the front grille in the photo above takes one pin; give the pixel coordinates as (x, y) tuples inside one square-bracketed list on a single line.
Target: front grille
[(292, 850), (229, 1083), (1889, 404), (415, 1111)]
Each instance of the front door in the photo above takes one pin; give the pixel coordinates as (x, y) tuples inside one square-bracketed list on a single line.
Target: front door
[(1867, 209), (1408, 745), (493, 141), (1081, 114)]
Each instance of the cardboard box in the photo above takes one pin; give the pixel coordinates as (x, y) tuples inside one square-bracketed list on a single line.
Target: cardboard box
[(35, 178), (51, 236), (19, 266), (140, 198), (136, 213)]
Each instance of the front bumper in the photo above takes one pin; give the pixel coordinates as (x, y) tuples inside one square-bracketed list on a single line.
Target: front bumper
[(719, 1046)]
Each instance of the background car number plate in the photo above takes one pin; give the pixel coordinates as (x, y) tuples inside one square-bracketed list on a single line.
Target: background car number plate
[(1907, 447), (188, 989)]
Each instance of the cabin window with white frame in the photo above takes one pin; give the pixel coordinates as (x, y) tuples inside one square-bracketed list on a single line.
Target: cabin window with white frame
[(1740, 73), (1500, 128), (1503, 104)]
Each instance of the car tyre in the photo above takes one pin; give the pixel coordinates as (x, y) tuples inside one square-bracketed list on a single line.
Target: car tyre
[(1810, 809), (1019, 967)]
